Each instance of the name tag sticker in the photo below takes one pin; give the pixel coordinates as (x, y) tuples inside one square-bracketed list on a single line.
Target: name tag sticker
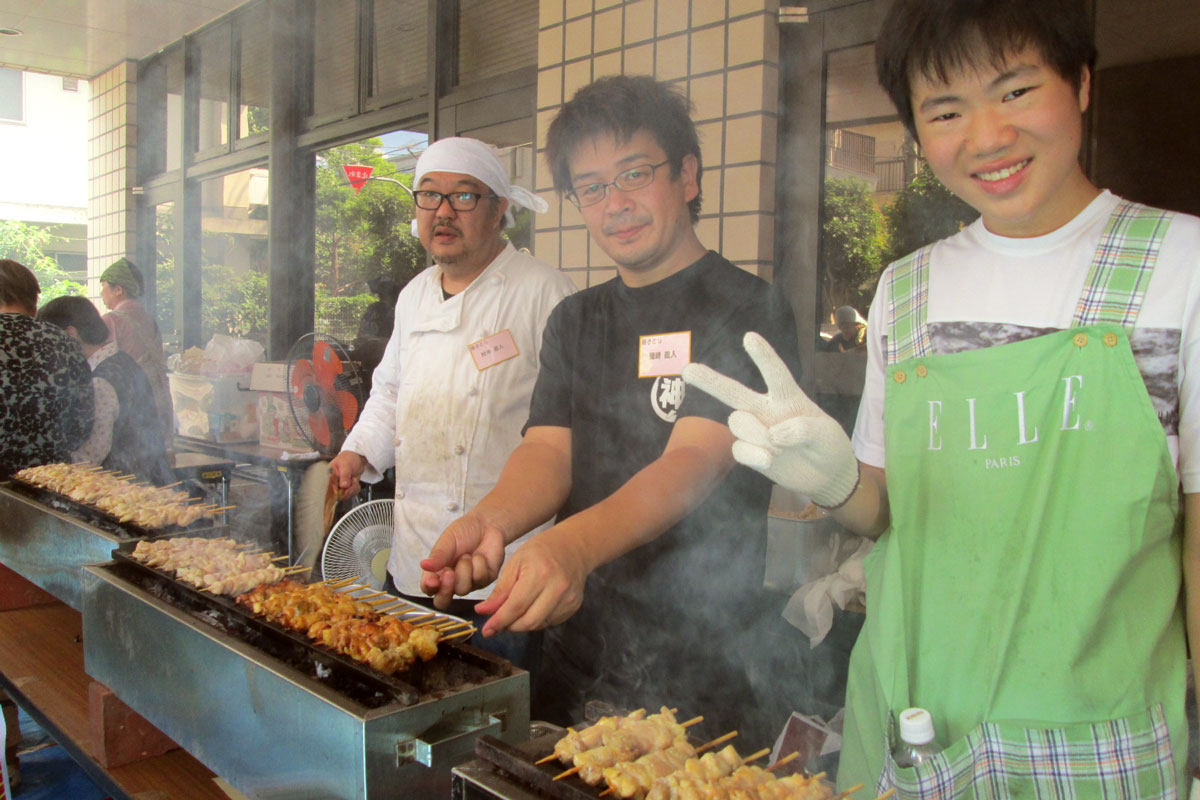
[(664, 354), (491, 351)]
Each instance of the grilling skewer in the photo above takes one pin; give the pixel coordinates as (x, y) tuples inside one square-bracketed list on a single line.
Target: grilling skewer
[(637, 738), (633, 778)]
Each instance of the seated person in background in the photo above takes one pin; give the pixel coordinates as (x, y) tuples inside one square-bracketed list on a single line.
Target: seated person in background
[(127, 434), (45, 383), (851, 334), (137, 334)]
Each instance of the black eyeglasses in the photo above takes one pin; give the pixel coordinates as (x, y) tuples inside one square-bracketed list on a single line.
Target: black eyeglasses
[(459, 201), (639, 177)]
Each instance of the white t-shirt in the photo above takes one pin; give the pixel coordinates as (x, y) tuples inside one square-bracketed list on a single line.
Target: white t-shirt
[(986, 289)]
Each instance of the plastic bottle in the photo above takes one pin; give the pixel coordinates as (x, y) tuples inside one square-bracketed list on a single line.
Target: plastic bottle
[(916, 743)]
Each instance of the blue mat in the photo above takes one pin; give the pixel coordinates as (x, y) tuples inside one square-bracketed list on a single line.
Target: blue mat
[(48, 773)]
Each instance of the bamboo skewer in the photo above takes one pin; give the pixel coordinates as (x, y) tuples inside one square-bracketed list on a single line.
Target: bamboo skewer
[(295, 570), (567, 773), (756, 756), (222, 508), (717, 741), (691, 722), (887, 794), (848, 792), (547, 759), (784, 760), (467, 632), (337, 584)]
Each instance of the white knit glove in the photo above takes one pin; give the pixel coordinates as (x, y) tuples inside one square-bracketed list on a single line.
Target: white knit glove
[(782, 433)]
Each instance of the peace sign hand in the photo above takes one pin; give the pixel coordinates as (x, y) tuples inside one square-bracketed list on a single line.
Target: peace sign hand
[(782, 433)]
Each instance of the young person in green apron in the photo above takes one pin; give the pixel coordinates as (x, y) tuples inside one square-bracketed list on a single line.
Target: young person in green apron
[(1032, 392)]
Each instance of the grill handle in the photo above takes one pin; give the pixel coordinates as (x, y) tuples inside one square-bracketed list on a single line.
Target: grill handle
[(449, 742)]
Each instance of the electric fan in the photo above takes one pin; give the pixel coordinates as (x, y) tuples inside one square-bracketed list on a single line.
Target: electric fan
[(325, 391), (359, 545)]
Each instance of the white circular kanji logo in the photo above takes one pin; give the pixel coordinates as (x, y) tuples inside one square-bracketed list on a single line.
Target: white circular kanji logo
[(666, 396)]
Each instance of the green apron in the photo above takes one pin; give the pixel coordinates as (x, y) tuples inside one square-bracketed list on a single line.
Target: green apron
[(1028, 591)]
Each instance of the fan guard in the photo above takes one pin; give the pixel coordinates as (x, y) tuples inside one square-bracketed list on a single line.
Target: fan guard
[(359, 544), (325, 392)]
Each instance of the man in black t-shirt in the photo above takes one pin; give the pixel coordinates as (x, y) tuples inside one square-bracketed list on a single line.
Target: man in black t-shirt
[(651, 581)]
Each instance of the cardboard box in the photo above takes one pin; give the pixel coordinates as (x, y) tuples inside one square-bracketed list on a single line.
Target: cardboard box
[(276, 423), (219, 408)]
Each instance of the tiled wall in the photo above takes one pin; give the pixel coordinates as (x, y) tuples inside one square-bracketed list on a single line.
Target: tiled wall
[(112, 132), (724, 54)]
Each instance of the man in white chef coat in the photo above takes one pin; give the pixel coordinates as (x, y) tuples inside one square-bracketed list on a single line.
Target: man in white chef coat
[(451, 394)]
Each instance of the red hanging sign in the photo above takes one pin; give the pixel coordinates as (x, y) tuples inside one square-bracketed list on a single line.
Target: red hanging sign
[(357, 174)]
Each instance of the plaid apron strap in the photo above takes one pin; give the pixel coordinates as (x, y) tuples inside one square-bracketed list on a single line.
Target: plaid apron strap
[(909, 289), (1121, 269)]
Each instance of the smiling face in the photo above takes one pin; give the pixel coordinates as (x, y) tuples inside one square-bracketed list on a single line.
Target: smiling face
[(461, 242), (1006, 140), (647, 232)]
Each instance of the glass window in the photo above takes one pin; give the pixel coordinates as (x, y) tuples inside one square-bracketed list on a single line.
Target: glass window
[(166, 286), (495, 36), (214, 55), (254, 71), (12, 100), (233, 284), (363, 235), (334, 55), (398, 52), (174, 65)]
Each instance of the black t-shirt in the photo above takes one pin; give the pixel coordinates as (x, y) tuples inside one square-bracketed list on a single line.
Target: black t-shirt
[(647, 615)]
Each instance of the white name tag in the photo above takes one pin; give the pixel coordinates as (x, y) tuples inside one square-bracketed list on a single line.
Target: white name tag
[(664, 354), (491, 351)]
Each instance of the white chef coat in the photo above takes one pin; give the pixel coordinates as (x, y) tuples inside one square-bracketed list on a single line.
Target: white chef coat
[(447, 425)]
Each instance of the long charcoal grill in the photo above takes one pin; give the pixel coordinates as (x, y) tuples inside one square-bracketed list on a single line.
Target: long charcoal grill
[(47, 538), (278, 716)]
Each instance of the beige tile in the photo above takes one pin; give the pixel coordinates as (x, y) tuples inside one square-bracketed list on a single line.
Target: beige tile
[(742, 189), (745, 139), (545, 246), (741, 238), (708, 231), (767, 189), (550, 46), (739, 7), (710, 189), (599, 276), (607, 64), (639, 21), (544, 119), (746, 88), (577, 8), (708, 50), (576, 75), (639, 60), (712, 141), (747, 40), (574, 247), (580, 276), (549, 12), (671, 58), (571, 216), (603, 4), (672, 16), (578, 38), (708, 97), (597, 257), (553, 208), (550, 87), (609, 29), (707, 11)]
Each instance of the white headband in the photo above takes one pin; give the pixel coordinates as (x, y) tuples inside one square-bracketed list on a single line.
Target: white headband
[(480, 161)]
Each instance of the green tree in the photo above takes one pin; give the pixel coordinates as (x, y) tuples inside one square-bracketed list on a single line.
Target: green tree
[(366, 234), (851, 243), (923, 212), (26, 244)]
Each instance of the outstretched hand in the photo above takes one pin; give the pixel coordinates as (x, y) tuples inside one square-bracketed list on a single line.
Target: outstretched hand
[(782, 433), (467, 556), (542, 584)]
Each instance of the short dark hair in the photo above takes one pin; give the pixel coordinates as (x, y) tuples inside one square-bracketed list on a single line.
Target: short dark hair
[(79, 312), (933, 38), (18, 286), (621, 106)]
